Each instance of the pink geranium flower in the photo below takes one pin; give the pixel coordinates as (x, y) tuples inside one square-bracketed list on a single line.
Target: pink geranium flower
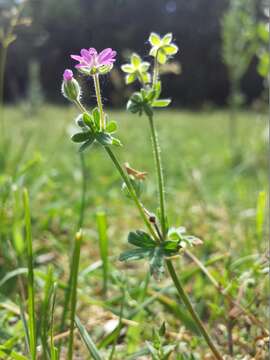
[(90, 61)]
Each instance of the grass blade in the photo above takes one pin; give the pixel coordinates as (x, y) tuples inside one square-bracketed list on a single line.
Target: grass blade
[(103, 246), (30, 282), (44, 312), (87, 340), (260, 213), (54, 350), (73, 299)]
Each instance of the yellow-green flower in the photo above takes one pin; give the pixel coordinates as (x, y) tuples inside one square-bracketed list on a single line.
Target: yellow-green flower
[(162, 47), (136, 70)]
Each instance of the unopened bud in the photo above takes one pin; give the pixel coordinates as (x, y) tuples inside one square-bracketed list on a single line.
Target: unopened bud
[(70, 86)]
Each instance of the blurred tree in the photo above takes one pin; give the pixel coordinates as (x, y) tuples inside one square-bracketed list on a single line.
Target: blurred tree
[(63, 27), (238, 49)]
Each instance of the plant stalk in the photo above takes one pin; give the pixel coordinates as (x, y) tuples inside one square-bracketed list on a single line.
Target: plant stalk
[(99, 101), (160, 177), (184, 297)]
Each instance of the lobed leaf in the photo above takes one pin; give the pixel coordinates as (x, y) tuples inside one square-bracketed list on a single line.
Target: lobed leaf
[(141, 239)]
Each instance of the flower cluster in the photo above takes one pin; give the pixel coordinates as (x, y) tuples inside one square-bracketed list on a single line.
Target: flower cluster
[(143, 101), (94, 125)]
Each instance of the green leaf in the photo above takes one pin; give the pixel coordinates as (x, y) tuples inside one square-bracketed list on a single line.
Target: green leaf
[(111, 126), (141, 239), (96, 117), (166, 40), (136, 60), (161, 102), (104, 138), (157, 89), (116, 142), (81, 137), (87, 119), (130, 78), (137, 97), (154, 39), (93, 350), (133, 107), (170, 246), (127, 68), (135, 254), (170, 49), (162, 329), (87, 144)]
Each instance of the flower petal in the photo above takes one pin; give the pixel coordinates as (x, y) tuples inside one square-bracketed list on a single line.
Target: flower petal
[(76, 57)]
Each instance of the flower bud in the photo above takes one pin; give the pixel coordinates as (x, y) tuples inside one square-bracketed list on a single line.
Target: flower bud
[(70, 86)]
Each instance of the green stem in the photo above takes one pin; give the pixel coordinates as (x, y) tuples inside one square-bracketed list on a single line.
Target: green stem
[(160, 177), (192, 311), (155, 71), (74, 280), (131, 191), (99, 101)]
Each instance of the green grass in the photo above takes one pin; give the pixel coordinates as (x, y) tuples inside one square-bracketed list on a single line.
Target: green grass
[(216, 197)]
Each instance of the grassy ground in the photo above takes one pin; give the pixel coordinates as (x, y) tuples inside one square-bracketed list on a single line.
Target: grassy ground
[(211, 192)]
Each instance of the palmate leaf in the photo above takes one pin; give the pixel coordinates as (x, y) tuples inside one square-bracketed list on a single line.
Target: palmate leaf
[(141, 239)]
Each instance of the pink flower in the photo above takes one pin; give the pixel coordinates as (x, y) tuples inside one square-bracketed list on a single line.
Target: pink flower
[(90, 60), (68, 75)]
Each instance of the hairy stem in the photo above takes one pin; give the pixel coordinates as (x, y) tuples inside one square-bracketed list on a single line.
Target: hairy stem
[(99, 101), (160, 177), (192, 311)]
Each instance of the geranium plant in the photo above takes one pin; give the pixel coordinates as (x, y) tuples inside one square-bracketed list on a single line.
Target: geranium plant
[(159, 241)]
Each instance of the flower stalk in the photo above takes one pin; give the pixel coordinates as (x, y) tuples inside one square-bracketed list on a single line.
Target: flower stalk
[(99, 101)]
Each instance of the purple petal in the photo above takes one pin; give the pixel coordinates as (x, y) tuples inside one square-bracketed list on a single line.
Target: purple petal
[(76, 57), (106, 57), (92, 51), (86, 54)]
